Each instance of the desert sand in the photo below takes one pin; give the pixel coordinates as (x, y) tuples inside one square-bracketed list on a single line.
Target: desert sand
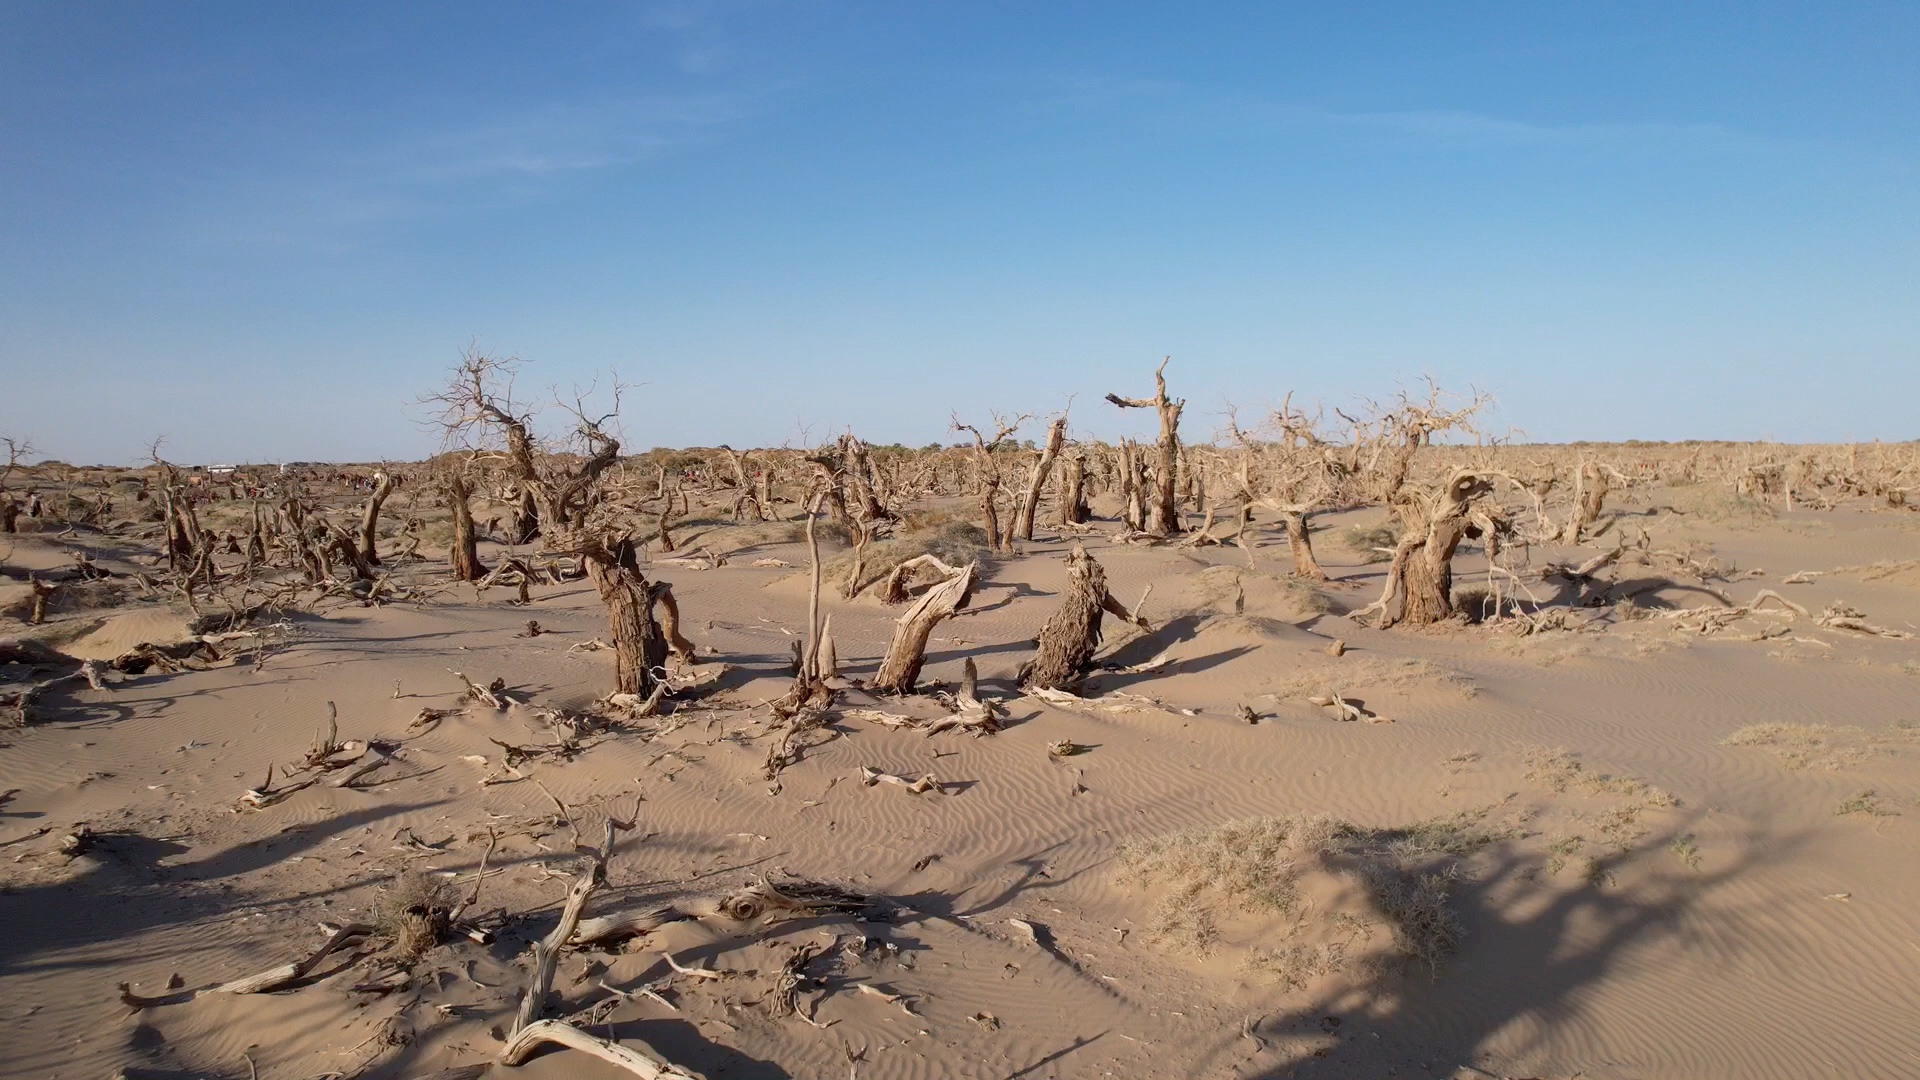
[(1625, 823)]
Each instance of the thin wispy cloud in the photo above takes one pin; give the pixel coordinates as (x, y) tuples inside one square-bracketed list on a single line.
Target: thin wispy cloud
[(1196, 109), (334, 193)]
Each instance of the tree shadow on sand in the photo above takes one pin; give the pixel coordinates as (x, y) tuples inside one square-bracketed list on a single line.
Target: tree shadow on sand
[(1524, 968)]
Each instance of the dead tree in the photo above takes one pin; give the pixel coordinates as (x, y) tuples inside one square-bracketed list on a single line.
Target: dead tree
[(567, 490), (1421, 574), (856, 462), (1030, 501), (908, 651), (1591, 486), (9, 508), (1163, 508), (523, 517), (1073, 509), (1292, 476), (990, 479), (747, 494), (1071, 634), (463, 556), (370, 516)]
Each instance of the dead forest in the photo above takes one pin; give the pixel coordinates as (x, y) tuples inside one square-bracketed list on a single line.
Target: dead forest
[(582, 679)]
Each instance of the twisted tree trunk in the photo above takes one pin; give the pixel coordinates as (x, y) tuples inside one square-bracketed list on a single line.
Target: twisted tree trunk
[(1422, 567), (639, 646), (1030, 502), (1071, 634), (1073, 491), (1300, 542), (908, 651), (464, 556)]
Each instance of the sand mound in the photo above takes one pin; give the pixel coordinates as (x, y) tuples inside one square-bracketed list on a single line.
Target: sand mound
[(119, 633)]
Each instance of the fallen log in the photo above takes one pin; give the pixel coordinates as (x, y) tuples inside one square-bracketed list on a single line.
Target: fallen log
[(638, 1059), (546, 952)]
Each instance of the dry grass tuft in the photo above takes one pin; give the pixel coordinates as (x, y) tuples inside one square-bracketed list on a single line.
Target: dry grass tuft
[(414, 912), (953, 541), (1806, 746), (1373, 543), (1864, 803), (1263, 866), (1561, 771), (1687, 850)]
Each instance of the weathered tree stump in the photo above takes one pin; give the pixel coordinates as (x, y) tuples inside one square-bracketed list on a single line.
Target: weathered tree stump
[(1071, 634)]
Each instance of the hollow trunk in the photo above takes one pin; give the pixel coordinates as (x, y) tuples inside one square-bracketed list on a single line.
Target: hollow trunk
[(349, 552), (1162, 505), (661, 594), (464, 556), (908, 650), (857, 464), (525, 518), (370, 517), (1422, 568), (1030, 501), (1133, 510), (1073, 491), (256, 540), (1427, 578), (861, 537), (989, 513), (745, 496)]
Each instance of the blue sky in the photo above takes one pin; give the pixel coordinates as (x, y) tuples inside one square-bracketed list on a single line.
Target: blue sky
[(262, 230)]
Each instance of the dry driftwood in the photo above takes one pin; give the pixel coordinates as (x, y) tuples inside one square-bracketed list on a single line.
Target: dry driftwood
[(276, 978), (970, 711), (871, 776), (546, 952), (259, 798), (636, 1058), (604, 929), (1346, 710), (784, 1001), (489, 696), (1114, 702), (893, 587), (1841, 617), (789, 899)]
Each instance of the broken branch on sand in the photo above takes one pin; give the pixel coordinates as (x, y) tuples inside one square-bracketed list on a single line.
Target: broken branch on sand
[(276, 978)]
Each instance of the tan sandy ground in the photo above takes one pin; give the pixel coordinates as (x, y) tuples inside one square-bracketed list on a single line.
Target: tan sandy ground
[(1742, 928)]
